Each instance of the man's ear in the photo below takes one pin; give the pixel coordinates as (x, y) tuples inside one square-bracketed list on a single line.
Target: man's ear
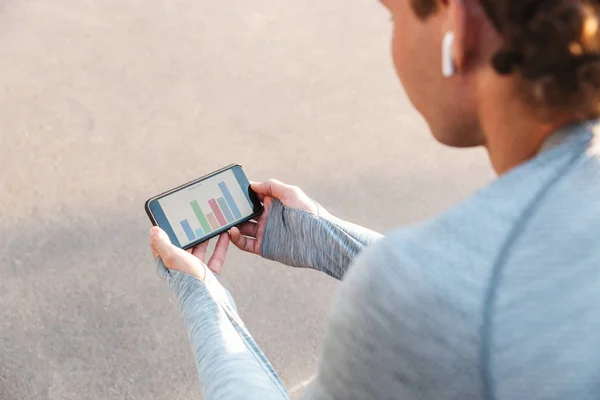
[(464, 18)]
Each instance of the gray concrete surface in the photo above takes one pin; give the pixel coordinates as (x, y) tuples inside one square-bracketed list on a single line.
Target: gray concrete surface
[(106, 102)]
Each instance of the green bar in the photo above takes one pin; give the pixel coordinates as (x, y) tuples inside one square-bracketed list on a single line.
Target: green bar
[(201, 218)]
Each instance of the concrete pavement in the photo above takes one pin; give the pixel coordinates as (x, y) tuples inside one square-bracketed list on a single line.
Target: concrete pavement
[(106, 103)]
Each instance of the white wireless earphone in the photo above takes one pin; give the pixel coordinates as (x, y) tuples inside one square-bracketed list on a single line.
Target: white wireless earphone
[(448, 67)]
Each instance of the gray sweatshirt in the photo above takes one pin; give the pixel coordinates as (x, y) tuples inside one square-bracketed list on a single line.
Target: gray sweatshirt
[(497, 298)]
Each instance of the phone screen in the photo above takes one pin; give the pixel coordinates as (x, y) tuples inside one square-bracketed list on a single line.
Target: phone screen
[(203, 209)]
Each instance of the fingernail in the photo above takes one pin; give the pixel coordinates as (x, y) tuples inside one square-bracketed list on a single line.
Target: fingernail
[(153, 232)]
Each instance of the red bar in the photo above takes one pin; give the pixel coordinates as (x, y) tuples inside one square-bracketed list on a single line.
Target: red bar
[(220, 217)]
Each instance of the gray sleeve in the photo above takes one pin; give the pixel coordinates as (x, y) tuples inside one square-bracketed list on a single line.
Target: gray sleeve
[(230, 364), (322, 242)]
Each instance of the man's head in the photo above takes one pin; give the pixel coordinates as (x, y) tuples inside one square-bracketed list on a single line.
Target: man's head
[(542, 53)]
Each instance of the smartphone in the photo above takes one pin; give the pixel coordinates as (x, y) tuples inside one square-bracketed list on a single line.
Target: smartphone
[(206, 207)]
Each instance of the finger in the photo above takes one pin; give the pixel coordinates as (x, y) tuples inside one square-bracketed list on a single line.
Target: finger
[(272, 188), (248, 228), (261, 197), (174, 257), (200, 250), (217, 260), (242, 242)]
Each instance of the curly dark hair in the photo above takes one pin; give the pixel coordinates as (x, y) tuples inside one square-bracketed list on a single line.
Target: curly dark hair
[(553, 46)]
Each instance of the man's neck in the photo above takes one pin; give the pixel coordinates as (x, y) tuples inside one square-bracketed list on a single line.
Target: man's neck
[(516, 137)]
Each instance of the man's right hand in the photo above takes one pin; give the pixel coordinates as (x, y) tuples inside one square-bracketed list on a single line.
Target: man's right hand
[(248, 236)]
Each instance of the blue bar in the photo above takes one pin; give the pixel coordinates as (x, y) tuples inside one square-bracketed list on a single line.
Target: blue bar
[(230, 202), (225, 209), (199, 233), (188, 230)]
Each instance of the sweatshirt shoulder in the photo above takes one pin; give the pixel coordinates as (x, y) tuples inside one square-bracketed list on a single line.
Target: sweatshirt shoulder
[(470, 234), (407, 309)]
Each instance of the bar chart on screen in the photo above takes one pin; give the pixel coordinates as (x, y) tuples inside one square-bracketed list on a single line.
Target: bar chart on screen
[(205, 208), (220, 215)]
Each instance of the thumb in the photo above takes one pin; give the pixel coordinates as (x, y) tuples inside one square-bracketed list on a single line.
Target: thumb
[(271, 188), (174, 257), (160, 243)]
